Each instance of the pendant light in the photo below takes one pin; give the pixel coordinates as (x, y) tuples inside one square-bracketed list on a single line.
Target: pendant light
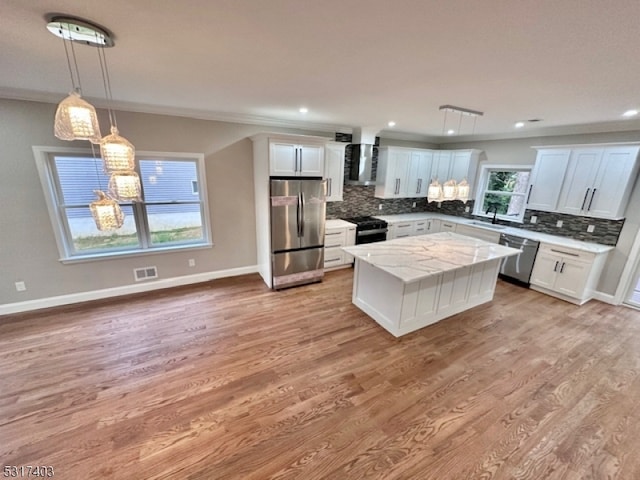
[(106, 212), (75, 119), (434, 192), (124, 186), (463, 191), (449, 190)]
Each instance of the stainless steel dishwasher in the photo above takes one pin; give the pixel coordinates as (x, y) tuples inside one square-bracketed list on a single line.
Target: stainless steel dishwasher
[(517, 269)]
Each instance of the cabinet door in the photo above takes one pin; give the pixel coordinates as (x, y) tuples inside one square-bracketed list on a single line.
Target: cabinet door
[(460, 163), (447, 227), (419, 171), (311, 160), (578, 183), (350, 240), (283, 159), (609, 194), (334, 171), (401, 161), (546, 179), (433, 225), (441, 166), (545, 269), (572, 277), (404, 229)]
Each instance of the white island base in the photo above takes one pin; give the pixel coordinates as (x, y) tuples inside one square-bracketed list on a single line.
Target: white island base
[(401, 307)]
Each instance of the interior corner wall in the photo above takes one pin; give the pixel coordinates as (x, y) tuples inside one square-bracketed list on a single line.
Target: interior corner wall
[(519, 151), (28, 249)]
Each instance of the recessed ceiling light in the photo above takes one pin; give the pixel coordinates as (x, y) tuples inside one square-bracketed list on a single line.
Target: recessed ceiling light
[(450, 132), (303, 110), (630, 113), (392, 124), (519, 124)]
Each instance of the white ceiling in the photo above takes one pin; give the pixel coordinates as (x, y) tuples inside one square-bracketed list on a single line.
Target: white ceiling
[(353, 63)]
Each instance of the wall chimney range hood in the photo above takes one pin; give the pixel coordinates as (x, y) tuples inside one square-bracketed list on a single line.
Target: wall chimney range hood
[(361, 171)]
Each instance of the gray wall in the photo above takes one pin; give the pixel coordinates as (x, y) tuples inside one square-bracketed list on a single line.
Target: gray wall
[(519, 151), (28, 249)]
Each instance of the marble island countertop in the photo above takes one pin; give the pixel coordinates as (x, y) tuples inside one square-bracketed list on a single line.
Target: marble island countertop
[(519, 232), (414, 258)]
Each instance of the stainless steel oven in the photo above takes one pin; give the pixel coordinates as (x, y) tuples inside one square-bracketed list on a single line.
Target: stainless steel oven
[(369, 229)]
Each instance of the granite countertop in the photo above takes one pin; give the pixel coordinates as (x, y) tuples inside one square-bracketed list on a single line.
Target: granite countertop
[(519, 232), (337, 223), (411, 259)]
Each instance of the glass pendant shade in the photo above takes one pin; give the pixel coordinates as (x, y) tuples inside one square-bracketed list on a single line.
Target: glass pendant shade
[(125, 186), (118, 154), (449, 190), (434, 193), (76, 119), (463, 191), (106, 212)]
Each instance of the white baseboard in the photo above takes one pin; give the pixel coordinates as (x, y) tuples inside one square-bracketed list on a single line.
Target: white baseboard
[(606, 298), (124, 290)]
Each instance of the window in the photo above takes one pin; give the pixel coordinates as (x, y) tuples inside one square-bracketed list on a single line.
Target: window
[(172, 215), (502, 188)]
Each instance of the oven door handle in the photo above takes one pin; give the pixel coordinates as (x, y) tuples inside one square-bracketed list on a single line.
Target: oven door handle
[(371, 232)]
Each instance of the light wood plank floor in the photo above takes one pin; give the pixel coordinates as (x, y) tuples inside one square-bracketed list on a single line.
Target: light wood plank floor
[(228, 380)]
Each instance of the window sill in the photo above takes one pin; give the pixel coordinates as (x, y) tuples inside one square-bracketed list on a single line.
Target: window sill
[(502, 219), (93, 257)]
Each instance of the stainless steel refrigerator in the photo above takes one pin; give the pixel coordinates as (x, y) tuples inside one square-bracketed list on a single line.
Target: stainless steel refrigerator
[(297, 231)]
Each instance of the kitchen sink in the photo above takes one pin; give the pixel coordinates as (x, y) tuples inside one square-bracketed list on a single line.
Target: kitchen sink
[(492, 226)]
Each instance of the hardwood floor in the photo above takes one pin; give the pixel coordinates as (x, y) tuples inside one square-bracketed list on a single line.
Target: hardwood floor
[(228, 380)]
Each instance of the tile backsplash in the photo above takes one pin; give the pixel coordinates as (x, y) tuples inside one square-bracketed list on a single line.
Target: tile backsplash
[(360, 201)]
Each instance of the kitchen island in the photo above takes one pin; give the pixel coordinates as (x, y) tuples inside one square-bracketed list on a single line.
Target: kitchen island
[(408, 283)]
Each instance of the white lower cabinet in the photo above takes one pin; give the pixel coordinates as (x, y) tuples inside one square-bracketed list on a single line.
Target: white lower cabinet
[(334, 240), (478, 232), (400, 230), (569, 274), (447, 226)]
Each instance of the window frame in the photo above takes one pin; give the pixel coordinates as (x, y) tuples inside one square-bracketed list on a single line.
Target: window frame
[(485, 172), (51, 187)]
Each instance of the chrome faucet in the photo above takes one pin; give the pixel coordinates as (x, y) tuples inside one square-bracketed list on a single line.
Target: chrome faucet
[(494, 207)]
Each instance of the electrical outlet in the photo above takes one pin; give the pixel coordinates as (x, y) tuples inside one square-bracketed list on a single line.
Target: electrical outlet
[(591, 228), (20, 286), (466, 209), (533, 219), (439, 204), (379, 206), (414, 205), (192, 262), (559, 224)]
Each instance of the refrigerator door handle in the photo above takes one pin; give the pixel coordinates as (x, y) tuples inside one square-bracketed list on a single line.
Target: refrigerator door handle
[(298, 214), (302, 215)]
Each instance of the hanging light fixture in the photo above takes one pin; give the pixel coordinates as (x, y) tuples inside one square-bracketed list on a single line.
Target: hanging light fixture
[(125, 186), (463, 191), (106, 212), (434, 192), (449, 190), (75, 119)]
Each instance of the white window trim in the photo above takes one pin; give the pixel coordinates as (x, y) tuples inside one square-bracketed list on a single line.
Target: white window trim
[(41, 155), (484, 177)]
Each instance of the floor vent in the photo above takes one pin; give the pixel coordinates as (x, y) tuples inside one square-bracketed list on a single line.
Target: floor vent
[(145, 273)]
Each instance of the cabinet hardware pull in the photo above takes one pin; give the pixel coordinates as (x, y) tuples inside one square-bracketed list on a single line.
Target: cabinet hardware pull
[(555, 269), (591, 201), (565, 253), (529, 196), (330, 186), (333, 233), (586, 194), (419, 185), (332, 260), (300, 159), (562, 267), (295, 169)]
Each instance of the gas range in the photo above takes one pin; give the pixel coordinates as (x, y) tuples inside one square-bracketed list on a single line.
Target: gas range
[(368, 229)]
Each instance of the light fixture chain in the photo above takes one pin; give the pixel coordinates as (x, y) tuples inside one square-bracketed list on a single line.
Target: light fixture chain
[(75, 62), (444, 124), (104, 83), (460, 124), (107, 81), (475, 119), (66, 52), (95, 164)]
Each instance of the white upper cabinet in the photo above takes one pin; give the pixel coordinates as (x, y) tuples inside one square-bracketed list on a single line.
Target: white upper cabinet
[(334, 170), (393, 170), (419, 172), (295, 160), (598, 181), (407, 173), (546, 179)]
